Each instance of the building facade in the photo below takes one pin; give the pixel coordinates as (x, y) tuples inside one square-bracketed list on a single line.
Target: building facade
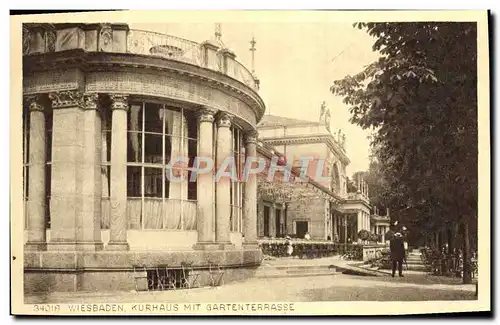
[(106, 112), (328, 211)]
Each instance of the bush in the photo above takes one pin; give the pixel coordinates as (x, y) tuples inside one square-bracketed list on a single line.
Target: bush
[(364, 234)]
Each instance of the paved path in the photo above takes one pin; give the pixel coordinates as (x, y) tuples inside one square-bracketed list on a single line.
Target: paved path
[(319, 288)]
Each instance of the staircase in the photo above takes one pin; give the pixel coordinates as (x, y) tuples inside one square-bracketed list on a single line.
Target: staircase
[(295, 268), (414, 262)]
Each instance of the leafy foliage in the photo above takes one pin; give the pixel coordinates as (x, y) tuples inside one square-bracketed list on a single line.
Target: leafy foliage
[(420, 100)]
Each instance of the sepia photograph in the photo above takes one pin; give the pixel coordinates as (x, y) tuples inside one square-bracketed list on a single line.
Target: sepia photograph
[(250, 163)]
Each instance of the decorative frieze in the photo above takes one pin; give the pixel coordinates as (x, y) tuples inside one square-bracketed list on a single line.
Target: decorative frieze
[(224, 120), (69, 98), (170, 86), (119, 101), (55, 80)]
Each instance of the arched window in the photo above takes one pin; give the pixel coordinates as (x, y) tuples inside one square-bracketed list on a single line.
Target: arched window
[(336, 181)]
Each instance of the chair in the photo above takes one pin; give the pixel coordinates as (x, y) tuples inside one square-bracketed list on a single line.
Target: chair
[(216, 274), (141, 280), (166, 278), (189, 277)]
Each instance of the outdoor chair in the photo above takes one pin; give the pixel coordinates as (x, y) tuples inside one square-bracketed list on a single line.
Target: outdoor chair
[(189, 277), (141, 280), (216, 274)]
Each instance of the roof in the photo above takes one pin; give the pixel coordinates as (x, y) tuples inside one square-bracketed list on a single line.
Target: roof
[(274, 120), (268, 151)]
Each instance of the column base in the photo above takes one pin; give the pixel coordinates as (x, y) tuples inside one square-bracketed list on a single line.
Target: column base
[(117, 246), (35, 246), (75, 246), (206, 246)]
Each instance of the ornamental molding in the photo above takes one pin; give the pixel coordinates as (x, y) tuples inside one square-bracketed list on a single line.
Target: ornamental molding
[(119, 101), (34, 103), (251, 137), (102, 61), (106, 38), (224, 120), (207, 114), (308, 139), (68, 98), (90, 101)]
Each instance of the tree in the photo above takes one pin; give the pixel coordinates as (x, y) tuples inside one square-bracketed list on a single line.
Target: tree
[(420, 100)]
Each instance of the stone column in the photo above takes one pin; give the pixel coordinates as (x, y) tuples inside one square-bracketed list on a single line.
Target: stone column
[(250, 199), (66, 174), (345, 229), (368, 225), (89, 221), (118, 179), (36, 180), (205, 215), (360, 221), (223, 207), (272, 220), (335, 227)]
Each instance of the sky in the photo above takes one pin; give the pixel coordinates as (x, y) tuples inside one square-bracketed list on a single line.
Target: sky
[(296, 64)]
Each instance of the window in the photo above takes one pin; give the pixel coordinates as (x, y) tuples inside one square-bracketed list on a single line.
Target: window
[(26, 146), (236, 187), (48, 165), (161, 147), (106, 115), (26, 162)]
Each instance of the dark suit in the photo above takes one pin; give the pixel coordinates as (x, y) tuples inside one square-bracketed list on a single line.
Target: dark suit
[(397, 254)]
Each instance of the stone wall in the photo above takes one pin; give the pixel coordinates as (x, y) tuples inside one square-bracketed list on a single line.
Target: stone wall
[(313, 211)]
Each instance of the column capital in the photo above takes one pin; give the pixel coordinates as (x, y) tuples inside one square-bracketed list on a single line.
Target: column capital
[(66, 98), (206, 114), (119, 101), (224, 120), (251, 137), (34, 103), (90, 101)]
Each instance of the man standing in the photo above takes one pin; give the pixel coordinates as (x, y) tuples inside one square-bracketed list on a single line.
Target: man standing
[(397, 253)]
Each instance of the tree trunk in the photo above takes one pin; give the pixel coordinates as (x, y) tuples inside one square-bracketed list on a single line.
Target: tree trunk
[(466, 271)]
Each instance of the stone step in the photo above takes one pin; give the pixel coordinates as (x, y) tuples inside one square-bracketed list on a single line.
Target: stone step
[(414, 267), (296, 267), (296, 275), (295, 270)]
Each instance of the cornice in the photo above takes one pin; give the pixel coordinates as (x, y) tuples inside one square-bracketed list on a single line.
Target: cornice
[(104, 61), (291, 126), (307, 139), (354, 201)]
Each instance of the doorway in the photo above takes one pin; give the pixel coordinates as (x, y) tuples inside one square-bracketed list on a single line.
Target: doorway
[(302, 228)]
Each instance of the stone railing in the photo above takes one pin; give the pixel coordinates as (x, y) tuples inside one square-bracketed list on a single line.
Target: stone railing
[(310, 248), (373, 252), (118, 38)]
